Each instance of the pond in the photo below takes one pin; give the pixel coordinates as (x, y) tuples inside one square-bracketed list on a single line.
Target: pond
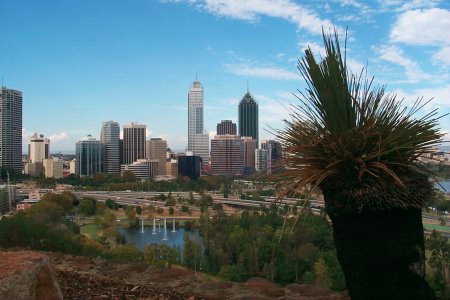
[(175, 239)]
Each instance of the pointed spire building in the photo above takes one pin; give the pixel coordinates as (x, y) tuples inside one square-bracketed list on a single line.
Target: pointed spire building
[(248, 118)]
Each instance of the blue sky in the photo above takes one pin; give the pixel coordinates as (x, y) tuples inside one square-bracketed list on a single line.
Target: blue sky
[(83, 62)]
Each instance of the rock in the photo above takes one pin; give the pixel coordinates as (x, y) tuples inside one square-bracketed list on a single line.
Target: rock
[(27, 275)]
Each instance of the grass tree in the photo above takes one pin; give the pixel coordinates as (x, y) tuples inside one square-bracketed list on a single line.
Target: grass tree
[(361, 147)]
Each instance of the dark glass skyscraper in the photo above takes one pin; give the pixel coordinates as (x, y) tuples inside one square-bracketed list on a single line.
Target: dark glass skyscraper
[(89, 153), (11, 129), (248, 118)]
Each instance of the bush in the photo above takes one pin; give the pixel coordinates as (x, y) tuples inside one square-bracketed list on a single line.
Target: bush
[(126, 253)]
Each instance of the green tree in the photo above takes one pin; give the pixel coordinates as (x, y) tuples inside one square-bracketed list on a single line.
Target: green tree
[(171, 211), (88, 206), (360, 147), (138, 210), (439, 261), (126, 253)]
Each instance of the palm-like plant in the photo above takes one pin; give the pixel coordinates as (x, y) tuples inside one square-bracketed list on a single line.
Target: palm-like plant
[(360, 146)]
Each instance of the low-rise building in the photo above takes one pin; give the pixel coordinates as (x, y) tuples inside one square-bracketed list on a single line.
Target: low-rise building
[(142, 168), (53, 167)]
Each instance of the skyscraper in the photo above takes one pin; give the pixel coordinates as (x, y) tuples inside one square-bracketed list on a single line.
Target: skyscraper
[(260, 160), (249, 154), (11, 129), (133, 142), (110, 137), (226, 127), (227, 155), (248, 118), (38, 148), (274, 154), (198, 141), (157, 150), (89, 156)]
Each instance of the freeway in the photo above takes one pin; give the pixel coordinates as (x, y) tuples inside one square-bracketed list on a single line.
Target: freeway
[(145, 198)]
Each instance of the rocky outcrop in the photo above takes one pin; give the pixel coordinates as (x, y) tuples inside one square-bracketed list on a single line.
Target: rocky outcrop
[(27, 275)]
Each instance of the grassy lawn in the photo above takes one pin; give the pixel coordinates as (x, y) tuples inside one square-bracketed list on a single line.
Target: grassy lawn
[(90, 230), (436, 227)]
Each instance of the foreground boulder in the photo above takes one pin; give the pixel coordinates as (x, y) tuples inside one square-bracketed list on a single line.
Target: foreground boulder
[(27, 275)]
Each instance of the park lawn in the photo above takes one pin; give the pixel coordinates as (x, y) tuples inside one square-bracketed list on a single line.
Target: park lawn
[(90, 230), (436, 227)]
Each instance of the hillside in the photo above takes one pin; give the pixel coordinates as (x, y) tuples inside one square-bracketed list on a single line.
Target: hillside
[(94, 278)]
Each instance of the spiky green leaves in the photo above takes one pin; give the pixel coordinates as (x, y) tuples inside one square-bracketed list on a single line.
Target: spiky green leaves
[(347, 133)]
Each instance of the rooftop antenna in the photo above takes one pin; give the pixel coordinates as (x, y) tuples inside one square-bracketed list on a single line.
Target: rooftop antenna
[(247, 87), (3, 81), (196, 76)]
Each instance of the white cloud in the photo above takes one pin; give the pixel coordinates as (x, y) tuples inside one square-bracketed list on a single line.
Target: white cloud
[(59, 137), (422, 27), (443, 56), (273, 111), (403, 5), (395, 55), (251, 10), (262, 72), (440, 96), (315, 48), (353, 3)]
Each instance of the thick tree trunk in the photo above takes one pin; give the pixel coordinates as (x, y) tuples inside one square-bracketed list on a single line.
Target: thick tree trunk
[(381, 253)]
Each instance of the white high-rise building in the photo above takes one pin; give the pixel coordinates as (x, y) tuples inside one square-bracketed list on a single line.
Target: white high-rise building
[(110, 137), (39, 148), (198, 141), (195, 112)]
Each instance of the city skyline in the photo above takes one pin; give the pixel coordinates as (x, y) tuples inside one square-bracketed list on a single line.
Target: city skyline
[(163, 44)]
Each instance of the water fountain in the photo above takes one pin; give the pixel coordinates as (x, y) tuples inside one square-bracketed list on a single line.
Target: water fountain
[(154, 226), (165, 230), (142, 225), (173, 227)]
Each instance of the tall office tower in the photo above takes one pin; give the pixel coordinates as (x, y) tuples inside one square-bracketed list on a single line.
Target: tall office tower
[(260, 160), (11, 129), (227, 155), (274, 154), (249, 154), (157, 149), (89, 156), (198, 141), (248, 118), (226, 127), (133, 142), (109, 137), (38, 148)]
